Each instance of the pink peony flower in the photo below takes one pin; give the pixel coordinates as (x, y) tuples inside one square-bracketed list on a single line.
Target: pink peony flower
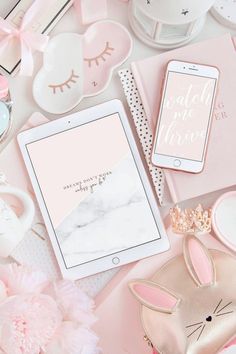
[(71, 339), (21, 279), (28, 322), (75, 305), (39, 317)]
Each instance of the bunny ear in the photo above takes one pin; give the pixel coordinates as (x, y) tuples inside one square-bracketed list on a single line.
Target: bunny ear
[(153, 296), (199, 262)]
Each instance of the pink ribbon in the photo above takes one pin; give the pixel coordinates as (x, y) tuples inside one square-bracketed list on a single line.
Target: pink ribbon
[(29, 40)]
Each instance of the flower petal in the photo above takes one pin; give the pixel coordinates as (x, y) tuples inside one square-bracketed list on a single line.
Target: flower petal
[(3, 292), (21, 279), (74, 303), (74, 340), (28, 323)]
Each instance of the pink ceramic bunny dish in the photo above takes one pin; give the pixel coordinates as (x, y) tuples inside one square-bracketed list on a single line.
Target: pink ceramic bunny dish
[(77, 66), (189, 306)]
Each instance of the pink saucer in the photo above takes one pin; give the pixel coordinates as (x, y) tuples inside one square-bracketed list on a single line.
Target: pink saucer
[(77, 66), (106, 45), (224, 219)]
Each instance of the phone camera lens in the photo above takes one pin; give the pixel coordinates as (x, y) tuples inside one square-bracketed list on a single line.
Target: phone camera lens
[(184, 67), (69, 121)]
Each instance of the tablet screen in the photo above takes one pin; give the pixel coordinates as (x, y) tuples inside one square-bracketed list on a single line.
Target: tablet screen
[(92, 190)]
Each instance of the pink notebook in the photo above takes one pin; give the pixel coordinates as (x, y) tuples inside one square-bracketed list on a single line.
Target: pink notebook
[(220, 167)]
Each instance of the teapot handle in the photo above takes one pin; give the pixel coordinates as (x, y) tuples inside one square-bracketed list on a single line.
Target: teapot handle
[(26, 218)]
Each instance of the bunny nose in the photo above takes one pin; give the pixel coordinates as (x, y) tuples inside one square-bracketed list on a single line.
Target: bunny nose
[(209, 319)]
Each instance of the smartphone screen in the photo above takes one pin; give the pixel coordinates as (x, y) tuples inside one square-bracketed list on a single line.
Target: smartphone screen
[(185, 116)]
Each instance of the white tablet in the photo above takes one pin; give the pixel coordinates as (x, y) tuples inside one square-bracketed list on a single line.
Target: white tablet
[(93, 191)]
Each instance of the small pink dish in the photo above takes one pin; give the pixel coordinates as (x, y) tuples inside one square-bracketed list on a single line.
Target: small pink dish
[(77, 66), (106, 45), (224, 219)]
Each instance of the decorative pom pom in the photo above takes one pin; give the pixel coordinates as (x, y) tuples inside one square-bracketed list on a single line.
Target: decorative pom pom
[(39, 317)]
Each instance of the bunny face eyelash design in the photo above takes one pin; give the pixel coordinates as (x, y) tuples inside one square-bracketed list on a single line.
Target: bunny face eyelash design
[(60, 87), (101, 57), (199, 327)]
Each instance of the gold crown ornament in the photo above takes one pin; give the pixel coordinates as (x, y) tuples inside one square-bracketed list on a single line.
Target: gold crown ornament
[(190, 221)]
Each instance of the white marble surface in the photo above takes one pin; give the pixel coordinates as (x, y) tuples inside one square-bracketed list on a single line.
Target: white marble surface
[(115, 216)]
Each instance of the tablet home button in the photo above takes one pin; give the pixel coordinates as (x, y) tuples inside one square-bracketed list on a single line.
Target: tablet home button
[(116, 260), (177, 163)]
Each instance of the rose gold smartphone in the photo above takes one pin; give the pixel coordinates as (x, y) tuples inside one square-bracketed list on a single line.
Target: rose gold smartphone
[(185, 115)]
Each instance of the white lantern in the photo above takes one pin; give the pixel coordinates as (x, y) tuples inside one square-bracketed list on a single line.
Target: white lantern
[(168, 23)]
